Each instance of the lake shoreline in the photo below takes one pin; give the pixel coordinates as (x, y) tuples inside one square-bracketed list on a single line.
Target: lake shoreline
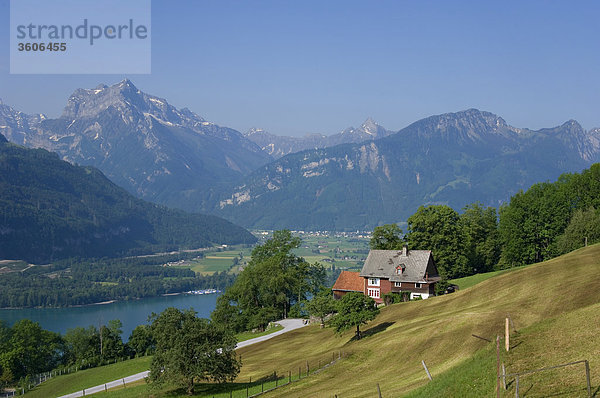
[(130, 312), (102, 302)]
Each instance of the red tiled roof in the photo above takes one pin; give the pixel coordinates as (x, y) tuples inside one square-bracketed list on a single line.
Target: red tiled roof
[(349, 281)]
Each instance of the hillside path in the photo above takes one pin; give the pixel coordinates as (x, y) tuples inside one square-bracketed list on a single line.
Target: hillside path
[(288, 325)]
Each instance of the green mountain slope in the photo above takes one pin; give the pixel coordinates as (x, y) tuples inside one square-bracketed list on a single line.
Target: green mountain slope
[(50, 209)]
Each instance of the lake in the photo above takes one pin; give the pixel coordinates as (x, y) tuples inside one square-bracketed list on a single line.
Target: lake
[(131, 313)]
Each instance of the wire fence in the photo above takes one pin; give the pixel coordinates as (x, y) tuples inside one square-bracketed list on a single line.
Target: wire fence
[(30, 382), (276, 379)]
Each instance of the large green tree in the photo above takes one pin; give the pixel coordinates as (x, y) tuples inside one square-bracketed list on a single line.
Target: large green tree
[(189, 348), (480, 230), (354, 309), (387, 237), (438, 228), (83, 345), (531, 222), (112, 345), (274, 280), (321, 305), (28, 349), (141, 340)]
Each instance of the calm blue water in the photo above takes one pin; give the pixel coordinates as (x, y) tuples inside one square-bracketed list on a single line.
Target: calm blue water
[(131, 313)]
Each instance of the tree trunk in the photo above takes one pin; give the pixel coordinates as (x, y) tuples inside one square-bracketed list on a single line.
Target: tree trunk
[(358, 332), (190, 387)]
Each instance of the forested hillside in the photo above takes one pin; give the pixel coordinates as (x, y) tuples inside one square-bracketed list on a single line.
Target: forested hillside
[(50, 209)]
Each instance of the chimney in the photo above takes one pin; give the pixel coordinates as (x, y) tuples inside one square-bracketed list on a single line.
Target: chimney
[(427, 276), (405, 250)]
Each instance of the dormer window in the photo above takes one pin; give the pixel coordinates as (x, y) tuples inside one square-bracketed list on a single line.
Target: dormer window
[(400, 269)]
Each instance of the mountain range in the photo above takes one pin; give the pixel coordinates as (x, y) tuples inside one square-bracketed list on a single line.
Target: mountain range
[(141, 142), (359, 178), (454, 159), (279, 146), (51, 209)]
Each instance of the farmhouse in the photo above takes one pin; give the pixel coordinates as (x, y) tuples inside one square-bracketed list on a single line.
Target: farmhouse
[(397, 271), (348, 282)]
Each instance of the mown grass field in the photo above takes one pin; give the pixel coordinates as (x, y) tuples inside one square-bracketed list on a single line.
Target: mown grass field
[(77, 381), (554, 305), (472, 280), (217, 261), (560, 297)]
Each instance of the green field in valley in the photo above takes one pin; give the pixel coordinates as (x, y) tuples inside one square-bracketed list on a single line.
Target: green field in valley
[(338, 250)]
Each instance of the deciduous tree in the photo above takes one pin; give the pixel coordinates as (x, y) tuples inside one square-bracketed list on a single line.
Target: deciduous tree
[(437, 228), (354, 309), (189, 348), (321, 305), (274, 279), (387, 237)]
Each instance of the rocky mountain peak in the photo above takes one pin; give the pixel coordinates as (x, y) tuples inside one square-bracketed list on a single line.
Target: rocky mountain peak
[(133, 105), (572, 125), (370, 126), (254, 130)]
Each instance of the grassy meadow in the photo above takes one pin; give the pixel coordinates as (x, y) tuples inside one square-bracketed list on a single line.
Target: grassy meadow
[(555, 307)]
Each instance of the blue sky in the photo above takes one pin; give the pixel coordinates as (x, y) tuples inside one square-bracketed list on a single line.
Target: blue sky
[(297, 67)]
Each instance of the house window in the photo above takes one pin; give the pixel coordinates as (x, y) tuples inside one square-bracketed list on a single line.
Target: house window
[(417, 285), (373, 281), (398, 284), (374, 293)]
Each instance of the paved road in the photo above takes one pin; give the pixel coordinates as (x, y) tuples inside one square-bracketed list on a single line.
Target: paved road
[(288, 324)]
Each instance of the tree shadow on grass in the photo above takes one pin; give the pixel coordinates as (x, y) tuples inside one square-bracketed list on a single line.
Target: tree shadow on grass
[(222, 389), (372, 331)]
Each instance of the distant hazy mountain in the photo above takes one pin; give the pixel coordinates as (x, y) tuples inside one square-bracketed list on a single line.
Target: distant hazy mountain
[(50, 209), (142, 143), (15, 125), (454, 159), (278, 146)]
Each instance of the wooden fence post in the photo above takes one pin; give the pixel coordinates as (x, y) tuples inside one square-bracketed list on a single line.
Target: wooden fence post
[(290, 377), (507, 336), (307, 368), (587, 378)]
